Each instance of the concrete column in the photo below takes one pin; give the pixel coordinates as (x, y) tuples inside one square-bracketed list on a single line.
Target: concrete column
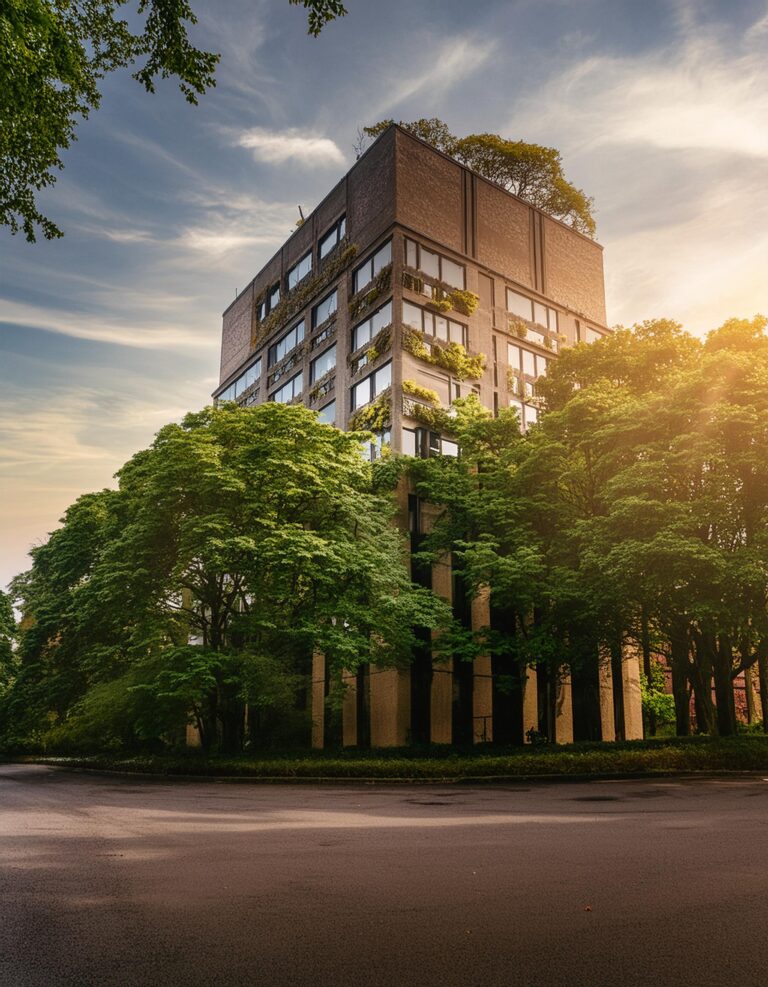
[(390, 706), (349, 710), (441, 694), (482, 685), (193, 738), (318, 700), (530, 701), (564, 709), (633, 706), (607, 721)]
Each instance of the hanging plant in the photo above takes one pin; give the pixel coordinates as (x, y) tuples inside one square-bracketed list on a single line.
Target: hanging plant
[(363, 299), (518, 328), (465, 302), (452, 357), (414, 390), (374, 417)]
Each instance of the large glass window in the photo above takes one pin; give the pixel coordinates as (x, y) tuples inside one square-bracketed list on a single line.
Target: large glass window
[(290, 390), (300, 270), (324, 309), (327, 415), (434, 265), (268, 302), (365, 332), (371, 386), (285, 344), (320, 366), (434, 324), (424, 443), (367, 271), (592, 335), (333, 237), (514, 355), (529, 363), (531, 311), (527, 413), (248, 377)]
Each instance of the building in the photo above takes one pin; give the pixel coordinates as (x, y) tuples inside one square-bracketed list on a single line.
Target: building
[(354, 315)]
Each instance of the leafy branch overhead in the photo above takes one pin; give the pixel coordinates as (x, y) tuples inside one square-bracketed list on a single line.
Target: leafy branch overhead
[(532, 171), (53, 57)]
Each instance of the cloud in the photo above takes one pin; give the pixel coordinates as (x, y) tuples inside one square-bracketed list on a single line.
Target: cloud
[(673, 146), (701, 91), (276, 147), (453, 60)]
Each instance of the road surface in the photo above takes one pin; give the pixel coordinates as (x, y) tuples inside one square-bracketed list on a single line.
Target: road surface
[(127, 881)]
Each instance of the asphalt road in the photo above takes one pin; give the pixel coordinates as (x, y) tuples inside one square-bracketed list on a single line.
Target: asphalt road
[(126, 881)]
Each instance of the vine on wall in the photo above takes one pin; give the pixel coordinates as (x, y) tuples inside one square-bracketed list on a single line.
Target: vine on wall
[(300, 296), (452, 357), (363, 299), (374, 417)]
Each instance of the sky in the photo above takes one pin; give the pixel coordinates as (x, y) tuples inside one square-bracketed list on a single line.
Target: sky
[(659, 108)]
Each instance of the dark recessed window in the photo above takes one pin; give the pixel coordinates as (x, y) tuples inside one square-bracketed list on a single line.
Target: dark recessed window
[(434, 265), (333, 237), (299, 271), (290, 390), (367, 271)]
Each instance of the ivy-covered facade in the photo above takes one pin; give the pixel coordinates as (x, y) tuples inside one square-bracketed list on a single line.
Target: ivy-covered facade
[(422, 282)]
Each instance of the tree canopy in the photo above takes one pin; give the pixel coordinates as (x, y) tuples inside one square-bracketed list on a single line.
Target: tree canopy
[(240, 543), (532, 171), (53, 56), (635, 514)]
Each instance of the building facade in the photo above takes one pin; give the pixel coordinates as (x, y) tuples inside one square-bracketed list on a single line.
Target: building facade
[(355, 317)]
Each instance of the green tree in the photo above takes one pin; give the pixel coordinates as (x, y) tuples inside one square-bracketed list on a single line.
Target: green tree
[(53, 56), (240, 543), (532, 171)]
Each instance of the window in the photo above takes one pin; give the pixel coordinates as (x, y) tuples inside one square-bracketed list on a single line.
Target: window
[(292, 389), (434, 324), (424, 444), (372, 450), (371, 386), (529, 363), (434, 265), (531, 311), (268, 302), (324, 309), (241, 383), (285, 344), (327, 415), (365, 332), (320, 366), (300, 270), (333, 237), (527, 414), (592, 335), (514, 355), (368, 270)]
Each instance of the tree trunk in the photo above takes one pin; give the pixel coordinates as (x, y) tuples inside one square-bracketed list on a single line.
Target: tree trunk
[(762, 666), (749, 691), (722, 664), (679, 650), (645, 640), (618, 687), (700, 673)]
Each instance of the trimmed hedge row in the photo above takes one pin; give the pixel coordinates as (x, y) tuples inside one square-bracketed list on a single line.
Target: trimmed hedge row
[(631, 758)]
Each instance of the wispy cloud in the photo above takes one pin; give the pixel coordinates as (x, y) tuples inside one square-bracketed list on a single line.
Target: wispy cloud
[(279, 146), (451, 61)]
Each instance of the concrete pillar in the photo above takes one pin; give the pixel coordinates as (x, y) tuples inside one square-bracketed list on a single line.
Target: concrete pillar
[(318, 700), (193, 738), (633, 706), (390, 706), (607, 721), (530, 701), (349, 710), (482, 684), (564, 709), (441, 693)]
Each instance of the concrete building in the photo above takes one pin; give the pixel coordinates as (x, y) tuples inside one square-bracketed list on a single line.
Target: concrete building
[(410, 252)]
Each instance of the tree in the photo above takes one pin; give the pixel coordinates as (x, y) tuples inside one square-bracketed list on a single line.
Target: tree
[(53, 56), (242, 542), (533, 172)]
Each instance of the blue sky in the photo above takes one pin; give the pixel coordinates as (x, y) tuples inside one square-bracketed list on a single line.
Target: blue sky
[(659, 107)]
